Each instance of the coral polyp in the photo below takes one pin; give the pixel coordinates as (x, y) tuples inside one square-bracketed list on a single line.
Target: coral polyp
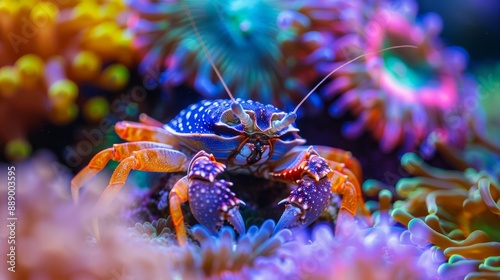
[(456, 211), (48, 49), (266, 50), (404, 95), (380, 251), (239, 35)]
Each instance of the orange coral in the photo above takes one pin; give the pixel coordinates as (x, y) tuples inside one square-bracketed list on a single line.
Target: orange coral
[(46, 49)]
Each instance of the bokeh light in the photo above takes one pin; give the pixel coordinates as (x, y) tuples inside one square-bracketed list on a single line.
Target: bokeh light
[(403, 95), (48, 49)]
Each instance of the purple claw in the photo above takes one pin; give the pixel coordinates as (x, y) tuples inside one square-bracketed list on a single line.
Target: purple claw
[(211, 201), (305, 203), (236, 220)]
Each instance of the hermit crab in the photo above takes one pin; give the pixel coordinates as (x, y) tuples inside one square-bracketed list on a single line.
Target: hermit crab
[(236, 136)]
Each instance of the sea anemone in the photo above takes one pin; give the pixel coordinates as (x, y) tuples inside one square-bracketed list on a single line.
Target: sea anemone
[(257, 253), (480, 152), (266, 50), (47, 48), (403, 95), (456, 211), (311, 34), (52, 239), (381, 252), (241, 36), (482, 149), (55, 242), (157, 231)]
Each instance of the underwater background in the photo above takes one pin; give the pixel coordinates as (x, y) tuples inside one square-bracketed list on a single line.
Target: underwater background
[(423, 124)]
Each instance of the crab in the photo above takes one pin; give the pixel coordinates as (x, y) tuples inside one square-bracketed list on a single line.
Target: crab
[(237, 136)]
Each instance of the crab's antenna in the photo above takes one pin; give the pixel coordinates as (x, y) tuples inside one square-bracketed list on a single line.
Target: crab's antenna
[(205, 49), (237, 109), (346, 63)]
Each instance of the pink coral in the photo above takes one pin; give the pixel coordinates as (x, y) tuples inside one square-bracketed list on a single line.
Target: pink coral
[(404, 95)]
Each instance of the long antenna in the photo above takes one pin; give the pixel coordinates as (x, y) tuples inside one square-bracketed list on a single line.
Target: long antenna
[(205, 49), (346, 63)]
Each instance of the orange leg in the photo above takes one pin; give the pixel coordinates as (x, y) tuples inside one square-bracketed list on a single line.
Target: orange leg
[(177, 196), (341, 185), (147, 120), (134, 131), (352, 203), (341, 156), (153, 160), (99, 161), (356, 204)]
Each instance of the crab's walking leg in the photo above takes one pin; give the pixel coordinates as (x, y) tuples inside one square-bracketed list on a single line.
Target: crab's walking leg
[(351, 200), (117, 153), (344, 163), (147, 120), (341, 156), (153, 160), (354, 188), (134, 131), (177, 196)]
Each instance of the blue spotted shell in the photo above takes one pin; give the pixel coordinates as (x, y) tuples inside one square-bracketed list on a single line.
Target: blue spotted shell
[(203, 116), (199, 127)]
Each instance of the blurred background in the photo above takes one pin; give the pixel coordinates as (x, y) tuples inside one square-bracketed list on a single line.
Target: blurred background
[(474, 25)]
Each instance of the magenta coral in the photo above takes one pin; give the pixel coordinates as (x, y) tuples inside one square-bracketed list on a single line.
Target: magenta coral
[(404, 95)]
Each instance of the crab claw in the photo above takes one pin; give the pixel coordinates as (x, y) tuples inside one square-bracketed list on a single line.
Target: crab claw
[(211, 201), (305, 203)]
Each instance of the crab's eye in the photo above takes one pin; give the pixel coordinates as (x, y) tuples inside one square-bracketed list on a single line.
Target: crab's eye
[(230, 118), (277, 117)]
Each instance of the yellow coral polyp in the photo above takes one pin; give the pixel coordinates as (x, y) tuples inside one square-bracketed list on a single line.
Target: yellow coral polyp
[(62, 93), (44, 12), (9, 81), (17, 149), (10, 8), (125, 40), (64, 115), (30, 69), (86, 11), (103, 37), (96, 108), (49, 47), (86, 65), (114, 77), (112, 8)]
